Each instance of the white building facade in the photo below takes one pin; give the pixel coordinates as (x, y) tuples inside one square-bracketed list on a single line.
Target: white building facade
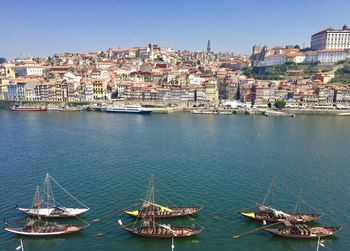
[(31, 70), (331, 39), (325, 56), (272, 60)]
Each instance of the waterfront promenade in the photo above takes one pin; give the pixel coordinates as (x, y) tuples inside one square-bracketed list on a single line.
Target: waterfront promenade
[(193, 107)]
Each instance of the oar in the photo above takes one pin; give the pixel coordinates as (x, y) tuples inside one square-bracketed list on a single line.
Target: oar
[(256, 229), (114, 212), (101, 234), (230, 212)]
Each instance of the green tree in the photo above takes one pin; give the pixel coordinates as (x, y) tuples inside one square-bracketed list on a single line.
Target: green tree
[(248, 71), (280, 104)]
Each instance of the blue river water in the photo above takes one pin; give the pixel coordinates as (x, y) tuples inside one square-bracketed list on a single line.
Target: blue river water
[(224, 163)]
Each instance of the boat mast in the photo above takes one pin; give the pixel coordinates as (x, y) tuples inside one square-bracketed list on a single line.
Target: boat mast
[(151, 199), (37, 199), (36, 206), (268, 195), (48, 191), (272, 187), (298, 203), (149, 207)]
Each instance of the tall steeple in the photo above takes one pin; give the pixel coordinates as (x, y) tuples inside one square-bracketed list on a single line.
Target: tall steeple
[(208, 47)]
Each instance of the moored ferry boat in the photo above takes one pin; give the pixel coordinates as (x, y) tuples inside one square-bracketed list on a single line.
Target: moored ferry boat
[(20, 108), (128, 109)]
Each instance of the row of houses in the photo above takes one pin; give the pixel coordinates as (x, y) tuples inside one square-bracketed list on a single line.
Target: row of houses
[(246, 90), (39, 90), (293, 92)]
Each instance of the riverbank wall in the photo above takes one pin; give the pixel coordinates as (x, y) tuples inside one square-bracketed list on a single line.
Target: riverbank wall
[(167, 108)]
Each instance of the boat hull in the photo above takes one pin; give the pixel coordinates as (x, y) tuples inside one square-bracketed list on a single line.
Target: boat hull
[(67, 230), (175, 212), (316, 232), (133, 109), (52, 213), (28, 109), (130, 112), (292, 218), (160, 233)]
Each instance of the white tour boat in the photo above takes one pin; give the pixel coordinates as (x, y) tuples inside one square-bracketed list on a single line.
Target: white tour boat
[(129, 109)]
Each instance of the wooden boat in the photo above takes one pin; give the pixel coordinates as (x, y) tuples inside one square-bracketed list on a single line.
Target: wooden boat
[(159, 211), (302, 231), (165, 212), (148, 225), (35, 227), (161, 231), (270, 214), (51, 210)]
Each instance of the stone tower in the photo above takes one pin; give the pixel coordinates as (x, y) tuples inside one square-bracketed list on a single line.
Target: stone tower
[(208, 47)]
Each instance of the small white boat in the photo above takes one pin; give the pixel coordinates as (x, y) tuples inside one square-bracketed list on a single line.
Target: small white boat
[(51, 210), (72, 108), (129, 109), (53, 108)]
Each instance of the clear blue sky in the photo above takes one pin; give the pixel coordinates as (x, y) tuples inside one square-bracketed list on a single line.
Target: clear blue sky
[(45, 27)]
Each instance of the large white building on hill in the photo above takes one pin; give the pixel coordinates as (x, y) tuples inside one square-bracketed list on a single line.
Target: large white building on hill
[(331, 39)]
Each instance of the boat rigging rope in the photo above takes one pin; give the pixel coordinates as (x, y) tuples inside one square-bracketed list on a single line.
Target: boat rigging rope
[(172, 204), (76, 216), (113, 230), (269, 192), (68, 192), (256, 229), (115, 212), (317, 210), (72, 215), (302, 202), (231, 212)]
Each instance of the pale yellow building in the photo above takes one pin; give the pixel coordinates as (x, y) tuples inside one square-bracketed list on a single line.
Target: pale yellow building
[(211, 92), (4, 82)]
